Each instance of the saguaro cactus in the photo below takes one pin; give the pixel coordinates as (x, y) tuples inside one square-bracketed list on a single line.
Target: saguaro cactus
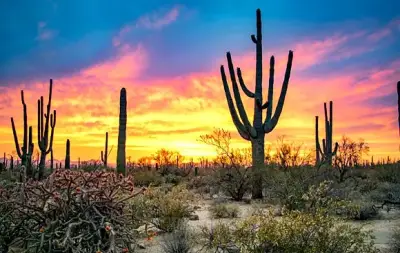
[(256, 133), (24, 153), (45, 145), (51, 160), (398, 103), (121, 156), (67, 156), (104, 155), (325, 154)]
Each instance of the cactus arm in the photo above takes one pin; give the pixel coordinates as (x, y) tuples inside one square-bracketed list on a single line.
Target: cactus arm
[(17, 147), (46, 126), (243, 85), (41, 117), (239, 103), (269, 125), (25, 141), (39, 136), (331, 125), (324, 147), (53, 118), (336, 149), (271, 87), (31, 145), (235, 118)]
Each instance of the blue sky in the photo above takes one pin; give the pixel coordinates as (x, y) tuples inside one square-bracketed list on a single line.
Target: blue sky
[(79, 33)]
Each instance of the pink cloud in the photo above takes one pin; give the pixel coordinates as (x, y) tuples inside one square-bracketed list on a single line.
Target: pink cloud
[(154, 20)]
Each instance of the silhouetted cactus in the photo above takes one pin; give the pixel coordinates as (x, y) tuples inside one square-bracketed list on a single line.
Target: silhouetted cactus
[(45, 145), (51, 160), (24, 153), (325, 154), (67, 156), (398, 104), (121, 156), (104, 155), (256, 133), (11, 163)]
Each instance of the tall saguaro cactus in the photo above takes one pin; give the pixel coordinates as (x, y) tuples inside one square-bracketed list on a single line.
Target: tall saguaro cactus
[(398, 103), (121, 156), (67, 155), (256, 133), (45, 145), (325, 154), (104, 155), (24, 153)]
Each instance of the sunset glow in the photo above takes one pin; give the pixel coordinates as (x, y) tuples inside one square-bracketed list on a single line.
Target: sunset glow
[(168, 57)]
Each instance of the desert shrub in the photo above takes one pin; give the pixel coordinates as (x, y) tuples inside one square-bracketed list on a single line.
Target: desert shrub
[(394, 242), (287, 187), (234, 181), (165, 210), (179, 241), (389, 173), (71, 211), (220, 211), (147, 178), (173, 179), (294, 232)]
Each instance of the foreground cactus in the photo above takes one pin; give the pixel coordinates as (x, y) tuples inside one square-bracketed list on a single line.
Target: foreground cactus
[(256, 133), (325, 154), (104, 155), (121, 156), (45, 145), (67, 156), (24, 153)]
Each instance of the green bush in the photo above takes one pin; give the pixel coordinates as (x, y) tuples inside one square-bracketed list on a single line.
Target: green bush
[(220, 211), (395, 240), (294, 232), (147, 178), (165, 210), (179, 241)]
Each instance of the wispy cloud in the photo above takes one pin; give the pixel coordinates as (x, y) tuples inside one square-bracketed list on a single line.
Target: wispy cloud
[(155, 20), (44, 33)]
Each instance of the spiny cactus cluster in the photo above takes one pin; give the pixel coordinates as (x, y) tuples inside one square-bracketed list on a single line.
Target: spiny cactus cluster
[(255, 133), (325, 154)]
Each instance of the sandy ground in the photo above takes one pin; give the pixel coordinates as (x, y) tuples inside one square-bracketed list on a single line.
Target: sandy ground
[(381, 228)]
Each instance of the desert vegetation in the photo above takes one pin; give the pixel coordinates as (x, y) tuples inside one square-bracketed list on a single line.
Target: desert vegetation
[(325, 199)]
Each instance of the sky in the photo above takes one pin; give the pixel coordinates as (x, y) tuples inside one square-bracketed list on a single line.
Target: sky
[(167, 55)]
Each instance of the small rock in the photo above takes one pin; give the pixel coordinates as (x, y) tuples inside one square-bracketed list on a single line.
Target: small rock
[(277, 211), (197, 207), (247, 201), (194, 217)]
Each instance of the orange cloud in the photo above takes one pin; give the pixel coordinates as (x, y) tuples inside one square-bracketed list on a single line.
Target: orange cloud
[(173, 112)]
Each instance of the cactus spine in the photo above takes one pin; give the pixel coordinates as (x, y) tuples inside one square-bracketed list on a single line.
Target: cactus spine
[(24, 153), (45, 145), (104, 155), (325, 154), (121, 155), (256, 133), (67, 156)]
